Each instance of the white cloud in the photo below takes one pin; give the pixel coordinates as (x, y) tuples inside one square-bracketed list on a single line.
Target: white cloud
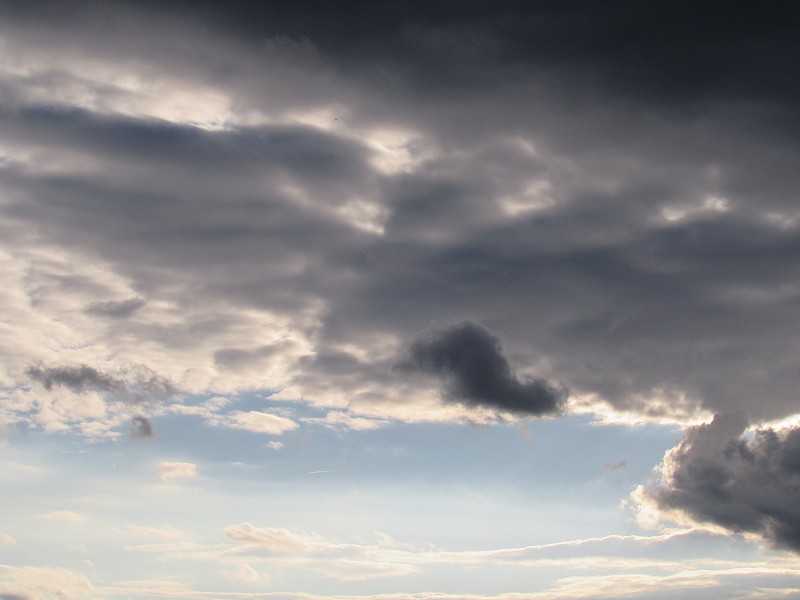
[(39, 583), (337, 419), (65, 516), (164, 532), (7, 539), (171, 470), (255, 421)]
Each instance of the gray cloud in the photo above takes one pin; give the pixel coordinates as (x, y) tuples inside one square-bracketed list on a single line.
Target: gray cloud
[(470, 360), (141, 428), (544, 149), (136, 385), (717, 476), (118, 309), (76, 379)]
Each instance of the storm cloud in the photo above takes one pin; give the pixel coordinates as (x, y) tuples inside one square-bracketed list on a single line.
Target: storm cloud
[(470, 361), (744, 485), (614, 189)]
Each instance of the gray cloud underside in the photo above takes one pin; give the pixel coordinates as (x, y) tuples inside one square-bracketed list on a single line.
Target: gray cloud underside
[(718, 477), (630, 113), (136, 386), (470, 360)]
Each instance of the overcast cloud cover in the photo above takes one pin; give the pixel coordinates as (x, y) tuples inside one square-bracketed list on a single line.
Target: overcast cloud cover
[(343, 232)]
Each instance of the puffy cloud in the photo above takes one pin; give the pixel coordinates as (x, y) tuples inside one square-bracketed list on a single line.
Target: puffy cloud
[(717, 476), (171, 470), (470, 360)]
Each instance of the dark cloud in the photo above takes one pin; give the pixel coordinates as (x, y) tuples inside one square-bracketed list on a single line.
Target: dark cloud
[(135, 385), (76, 379), (744, 485), (141, 428), (118, 309), (470, 360), (617, 466), (613, 185)]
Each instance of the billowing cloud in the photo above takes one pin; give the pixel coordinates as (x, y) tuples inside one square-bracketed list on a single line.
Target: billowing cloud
[(322, 196), (470, 361), (717, 476)]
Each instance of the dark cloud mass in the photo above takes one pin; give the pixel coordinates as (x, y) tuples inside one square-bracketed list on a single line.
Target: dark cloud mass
[(470, 360), (611, 185), (744, 485)]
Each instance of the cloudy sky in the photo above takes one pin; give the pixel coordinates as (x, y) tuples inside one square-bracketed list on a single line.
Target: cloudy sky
[(469, 300)]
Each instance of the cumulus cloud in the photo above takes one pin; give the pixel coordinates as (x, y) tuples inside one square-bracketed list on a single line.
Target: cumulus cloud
[(470, 361), (717, 476), (172, 470)]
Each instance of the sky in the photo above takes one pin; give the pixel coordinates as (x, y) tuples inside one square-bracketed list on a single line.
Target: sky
[(390, 300)]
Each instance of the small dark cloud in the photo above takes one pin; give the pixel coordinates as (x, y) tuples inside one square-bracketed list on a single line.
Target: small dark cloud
[(141, 428), (136, 385), (238, 358), (469, 358), (717, 476), (617, 466), (118, 309), (78, 379)]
